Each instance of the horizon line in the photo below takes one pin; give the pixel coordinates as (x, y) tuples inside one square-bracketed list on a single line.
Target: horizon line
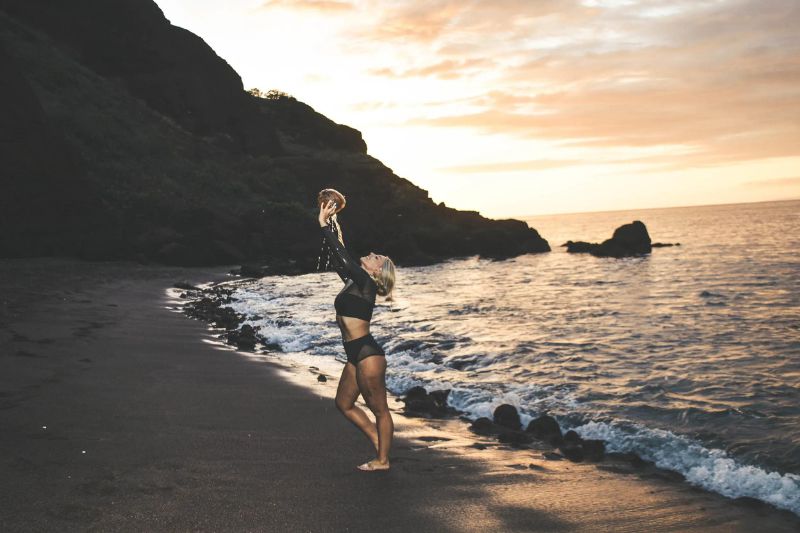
[(647, 208)]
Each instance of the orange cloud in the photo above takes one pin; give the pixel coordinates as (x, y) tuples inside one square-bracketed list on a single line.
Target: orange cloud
[(446, 69), (416, 21), (715, 82), (316, 5), (511, 166)]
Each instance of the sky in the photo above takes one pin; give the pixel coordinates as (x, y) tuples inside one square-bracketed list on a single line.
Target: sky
[(526, 107)]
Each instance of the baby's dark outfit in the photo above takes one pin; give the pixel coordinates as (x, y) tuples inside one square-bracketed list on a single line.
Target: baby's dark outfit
[(356, 299)]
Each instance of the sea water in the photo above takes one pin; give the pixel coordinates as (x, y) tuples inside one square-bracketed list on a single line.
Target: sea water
[(689, 357)]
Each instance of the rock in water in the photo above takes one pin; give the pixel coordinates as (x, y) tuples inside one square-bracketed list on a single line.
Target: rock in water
[(594, 450), (572, 446), (572, 451), (506, 415), (579, 247), (439, 398), (628, 240), (545, 428), (244, 339), (483, 426), (416, 394), (419, 402), (516, 438)]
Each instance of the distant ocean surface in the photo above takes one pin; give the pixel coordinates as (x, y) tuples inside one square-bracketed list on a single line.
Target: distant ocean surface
[(689, 357)]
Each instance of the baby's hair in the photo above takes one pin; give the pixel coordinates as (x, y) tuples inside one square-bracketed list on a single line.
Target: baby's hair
[(326, 195)]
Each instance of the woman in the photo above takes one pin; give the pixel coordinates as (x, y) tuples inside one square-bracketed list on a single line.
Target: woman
[(365, 370)]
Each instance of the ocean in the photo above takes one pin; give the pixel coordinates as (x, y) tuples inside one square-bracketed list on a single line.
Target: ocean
[(689, 357)]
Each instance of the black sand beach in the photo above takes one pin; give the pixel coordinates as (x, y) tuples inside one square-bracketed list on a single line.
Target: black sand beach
[(118, 413)]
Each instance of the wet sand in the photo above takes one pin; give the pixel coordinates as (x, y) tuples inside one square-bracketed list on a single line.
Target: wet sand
[(117, 412)]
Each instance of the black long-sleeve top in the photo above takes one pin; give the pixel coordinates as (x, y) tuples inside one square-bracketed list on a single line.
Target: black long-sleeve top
[(357, 298)]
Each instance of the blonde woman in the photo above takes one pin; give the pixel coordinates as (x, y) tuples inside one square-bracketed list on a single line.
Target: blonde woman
[(365, 370)]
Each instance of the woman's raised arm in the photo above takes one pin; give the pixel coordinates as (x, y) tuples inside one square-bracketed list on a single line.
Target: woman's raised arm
[(343, 262)]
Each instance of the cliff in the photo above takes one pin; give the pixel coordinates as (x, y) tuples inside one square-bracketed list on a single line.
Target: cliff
[(125, 137)]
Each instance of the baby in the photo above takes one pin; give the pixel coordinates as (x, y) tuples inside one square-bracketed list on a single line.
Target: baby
[(323, 197)]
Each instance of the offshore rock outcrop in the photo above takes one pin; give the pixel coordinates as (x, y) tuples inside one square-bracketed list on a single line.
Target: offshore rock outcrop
[(628, 240)]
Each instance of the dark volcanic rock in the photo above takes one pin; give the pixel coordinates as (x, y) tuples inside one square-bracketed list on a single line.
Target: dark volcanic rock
[(628, 240), (579, 247), (633, 236), (577, 449), (244, 339), (545, 428), (572, 447), (572, 451), (507, 416), (418, 402), (211, 310), (594, 450), (516, 438), (484, 426)]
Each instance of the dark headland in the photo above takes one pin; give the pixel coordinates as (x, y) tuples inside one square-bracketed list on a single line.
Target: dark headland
[(124, 137)]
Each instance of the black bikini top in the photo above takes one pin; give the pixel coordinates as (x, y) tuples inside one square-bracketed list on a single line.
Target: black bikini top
[(357, 298)]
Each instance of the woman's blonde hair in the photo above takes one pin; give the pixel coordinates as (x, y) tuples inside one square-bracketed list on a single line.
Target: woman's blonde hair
[(385, 279)]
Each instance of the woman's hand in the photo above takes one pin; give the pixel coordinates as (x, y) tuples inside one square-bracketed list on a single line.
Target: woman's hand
[(326, 210)]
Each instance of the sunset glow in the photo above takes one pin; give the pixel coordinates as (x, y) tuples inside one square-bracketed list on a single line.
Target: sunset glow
[(515, 107)]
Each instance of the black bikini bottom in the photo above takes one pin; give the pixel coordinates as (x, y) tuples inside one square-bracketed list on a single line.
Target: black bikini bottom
[(358, 349)]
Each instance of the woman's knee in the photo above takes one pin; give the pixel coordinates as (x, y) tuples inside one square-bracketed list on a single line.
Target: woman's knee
[(376, 401), (343, 404)]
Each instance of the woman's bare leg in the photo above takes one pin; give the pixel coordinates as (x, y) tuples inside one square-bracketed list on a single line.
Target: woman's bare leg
[(371, 377), (346, 395)]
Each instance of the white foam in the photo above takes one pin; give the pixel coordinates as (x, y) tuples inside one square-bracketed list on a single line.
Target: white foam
[(711, 469), (301, 323)]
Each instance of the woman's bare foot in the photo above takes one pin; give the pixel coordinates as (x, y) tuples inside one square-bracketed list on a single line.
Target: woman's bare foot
[(374, 465)]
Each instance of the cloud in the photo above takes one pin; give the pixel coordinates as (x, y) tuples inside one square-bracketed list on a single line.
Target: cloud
[(511, 166), (414, 21), (714, 82), (775, 182), (313, 5), (446, 69), (442, 21)]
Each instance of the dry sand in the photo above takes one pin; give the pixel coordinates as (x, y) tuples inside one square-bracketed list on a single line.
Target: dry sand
[(118, 413)]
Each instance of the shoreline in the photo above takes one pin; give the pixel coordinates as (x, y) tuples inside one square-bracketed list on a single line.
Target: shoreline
[(181, 434), (520, 440)]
